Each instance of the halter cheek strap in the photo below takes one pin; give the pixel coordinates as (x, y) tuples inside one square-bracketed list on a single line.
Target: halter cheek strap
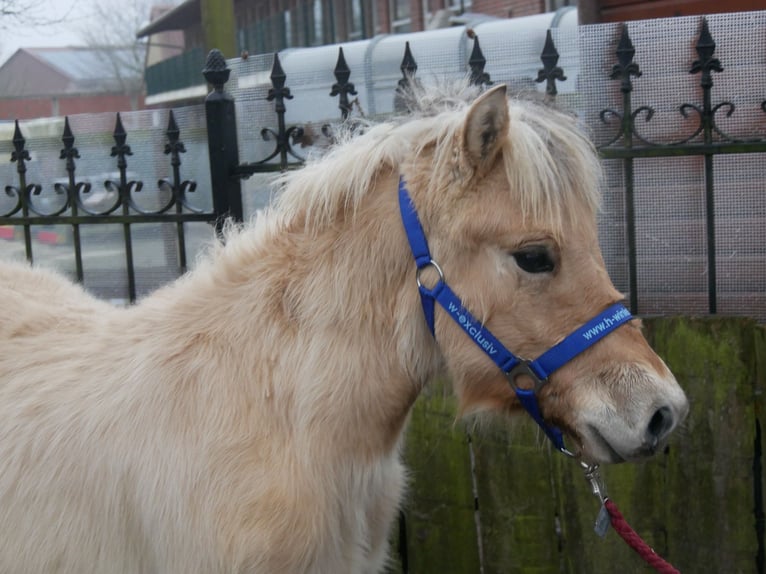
[(512, 366)]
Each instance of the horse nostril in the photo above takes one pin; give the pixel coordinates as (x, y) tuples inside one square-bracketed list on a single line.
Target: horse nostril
[(659, 425)]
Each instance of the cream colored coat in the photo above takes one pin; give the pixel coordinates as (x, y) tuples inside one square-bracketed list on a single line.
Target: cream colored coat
[(248, 418)]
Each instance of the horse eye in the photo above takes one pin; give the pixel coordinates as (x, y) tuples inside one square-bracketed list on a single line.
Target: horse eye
[(534, 260)]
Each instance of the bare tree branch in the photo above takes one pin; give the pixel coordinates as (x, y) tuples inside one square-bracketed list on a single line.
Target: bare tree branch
[(112, 30), (29, 13)]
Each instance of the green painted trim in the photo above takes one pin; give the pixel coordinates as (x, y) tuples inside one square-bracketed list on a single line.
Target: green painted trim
[(219, 26)]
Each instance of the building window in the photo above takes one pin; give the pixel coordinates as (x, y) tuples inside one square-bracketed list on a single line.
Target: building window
[(318, 37), (458, 7), (288, 28), (356, 20), (439, 18), (401, 21), (304, 24), (553, 5)]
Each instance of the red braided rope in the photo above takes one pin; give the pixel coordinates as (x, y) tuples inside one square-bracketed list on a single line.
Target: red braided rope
[(633, 540)]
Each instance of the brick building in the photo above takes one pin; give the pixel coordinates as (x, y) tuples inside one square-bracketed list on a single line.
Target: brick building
[(597, 11), (264, 26), (41, 82)]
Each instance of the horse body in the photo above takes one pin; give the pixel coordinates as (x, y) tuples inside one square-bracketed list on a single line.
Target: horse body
[(248, 417), (168, 437)]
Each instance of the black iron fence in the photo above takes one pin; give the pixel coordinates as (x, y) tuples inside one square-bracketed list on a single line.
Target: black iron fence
[(627, 145), (707, 140)]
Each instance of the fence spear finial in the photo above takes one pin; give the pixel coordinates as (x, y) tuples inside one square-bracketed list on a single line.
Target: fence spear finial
[(550, 71)]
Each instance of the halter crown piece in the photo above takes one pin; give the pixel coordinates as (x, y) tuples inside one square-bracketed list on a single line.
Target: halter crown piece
[(512, 366)]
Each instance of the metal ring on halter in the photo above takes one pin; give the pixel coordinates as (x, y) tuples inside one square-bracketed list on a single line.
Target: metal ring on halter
[(435, 265), (525, 368)]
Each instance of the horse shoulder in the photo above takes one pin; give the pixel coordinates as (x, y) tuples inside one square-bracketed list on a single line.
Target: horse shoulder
[(314, 524)]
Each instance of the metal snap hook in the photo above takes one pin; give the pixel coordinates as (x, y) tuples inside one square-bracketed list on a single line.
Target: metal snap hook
[(593, 476)]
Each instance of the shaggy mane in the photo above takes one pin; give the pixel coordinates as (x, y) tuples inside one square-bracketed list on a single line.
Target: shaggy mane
[(550, 163)]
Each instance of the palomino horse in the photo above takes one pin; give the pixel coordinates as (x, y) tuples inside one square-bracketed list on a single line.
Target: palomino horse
[(248, 418)]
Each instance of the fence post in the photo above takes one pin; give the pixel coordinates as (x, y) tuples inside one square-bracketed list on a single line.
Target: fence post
[(222, 142)]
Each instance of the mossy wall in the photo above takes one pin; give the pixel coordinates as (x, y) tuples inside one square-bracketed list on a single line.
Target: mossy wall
[(494, 498)]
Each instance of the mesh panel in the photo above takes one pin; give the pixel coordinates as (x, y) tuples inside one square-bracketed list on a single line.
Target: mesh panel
[(671, 230)]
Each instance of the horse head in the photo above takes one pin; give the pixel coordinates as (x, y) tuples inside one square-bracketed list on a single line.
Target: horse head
[(512, 232)]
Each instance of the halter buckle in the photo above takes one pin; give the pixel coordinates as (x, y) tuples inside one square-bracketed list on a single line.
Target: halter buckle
[(524, 367)]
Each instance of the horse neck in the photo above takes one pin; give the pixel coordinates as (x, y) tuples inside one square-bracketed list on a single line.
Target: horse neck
[(328, 322)]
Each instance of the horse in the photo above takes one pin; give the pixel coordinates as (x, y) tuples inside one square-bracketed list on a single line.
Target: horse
[(249, 416)]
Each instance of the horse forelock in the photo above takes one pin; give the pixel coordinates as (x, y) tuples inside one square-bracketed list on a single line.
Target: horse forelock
[(551, 166)]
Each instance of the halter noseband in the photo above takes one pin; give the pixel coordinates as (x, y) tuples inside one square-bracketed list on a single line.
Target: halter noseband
[(512, 366)]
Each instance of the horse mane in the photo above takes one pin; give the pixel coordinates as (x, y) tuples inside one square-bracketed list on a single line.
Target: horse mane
[(550, 162)]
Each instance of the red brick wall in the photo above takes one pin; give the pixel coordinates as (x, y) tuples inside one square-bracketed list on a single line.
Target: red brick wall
[(23, 108), (103, 103), (508, 8), (30, 108), (384, 18), (622, 10)]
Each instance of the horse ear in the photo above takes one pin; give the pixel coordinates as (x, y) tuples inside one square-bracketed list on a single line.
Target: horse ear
[(485, 127)]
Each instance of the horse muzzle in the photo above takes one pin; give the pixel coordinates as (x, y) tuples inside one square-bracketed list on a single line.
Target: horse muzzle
[(636, 425)]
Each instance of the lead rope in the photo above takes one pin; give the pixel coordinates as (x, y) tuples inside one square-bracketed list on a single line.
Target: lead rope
[(609, 514)]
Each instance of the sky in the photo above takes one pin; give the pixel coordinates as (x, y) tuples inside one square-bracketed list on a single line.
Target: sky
[(75, 14), (65, 33)]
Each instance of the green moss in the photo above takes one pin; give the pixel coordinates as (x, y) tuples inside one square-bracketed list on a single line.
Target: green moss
[(693, 503), (441, 530)]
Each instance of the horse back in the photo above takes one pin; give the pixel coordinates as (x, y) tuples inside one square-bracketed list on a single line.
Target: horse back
[(34, 301)]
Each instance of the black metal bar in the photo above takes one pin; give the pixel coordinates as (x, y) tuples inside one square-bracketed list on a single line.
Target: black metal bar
[(705, 65), (223, 147), (175, 147), (630, 223), (20, 155), (710, 235), (245, 170), (278, 93), (342, 88), (623, 70), (625, 51), (111, 219), (477, 62), (715, 148), (282, 135), (121, 150), (550, 72), (409, 68), (69, 153)]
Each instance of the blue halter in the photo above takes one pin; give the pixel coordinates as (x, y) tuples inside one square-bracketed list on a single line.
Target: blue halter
[(512, 366)]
